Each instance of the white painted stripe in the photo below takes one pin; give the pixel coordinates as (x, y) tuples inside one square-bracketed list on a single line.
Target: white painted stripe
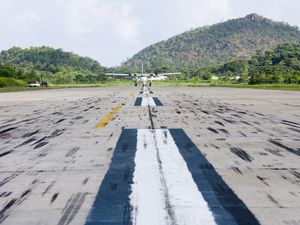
[(155, 187), (146, 93), (148, 101), (146, 198)]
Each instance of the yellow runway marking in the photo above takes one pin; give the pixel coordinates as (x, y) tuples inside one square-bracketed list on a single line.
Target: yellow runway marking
[(108, 117)]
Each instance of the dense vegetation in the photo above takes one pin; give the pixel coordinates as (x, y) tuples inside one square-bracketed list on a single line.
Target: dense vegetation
[(206, 46), (278, 66), (45, 63)]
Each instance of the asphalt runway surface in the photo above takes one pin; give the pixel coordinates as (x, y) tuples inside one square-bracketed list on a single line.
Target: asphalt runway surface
[(122, 155)]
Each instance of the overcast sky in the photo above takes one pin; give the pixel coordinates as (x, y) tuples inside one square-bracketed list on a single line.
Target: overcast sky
[(112, 30)]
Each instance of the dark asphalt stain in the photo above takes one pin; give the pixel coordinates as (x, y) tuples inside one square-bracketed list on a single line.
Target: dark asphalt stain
[(112, 204), (138, 101), (157, 101), (168, 205), (150, 117)]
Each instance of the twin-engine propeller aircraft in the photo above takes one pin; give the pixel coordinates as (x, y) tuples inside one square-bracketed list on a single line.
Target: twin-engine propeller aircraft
[(144, 78)]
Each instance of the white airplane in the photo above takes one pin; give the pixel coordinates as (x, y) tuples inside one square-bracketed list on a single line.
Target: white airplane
[(144, 78)]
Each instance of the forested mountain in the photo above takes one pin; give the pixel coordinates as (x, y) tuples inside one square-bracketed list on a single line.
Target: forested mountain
[(211, 45), (45, 63), (278, 66)]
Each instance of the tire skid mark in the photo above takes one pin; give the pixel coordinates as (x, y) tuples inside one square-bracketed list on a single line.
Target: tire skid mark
[(237, 170), (44, 140), (48, 188), (54, 197), (72, 151), (26, 142), (13, 203), (3, 132), (213, 130), (30, 134), (5, 153), (241, 154), (274, 152), (272, 199), (5, 194), (294, 129), (21, 121), (72, 208), (262, 179), (296, 174), (291, 150), (59, 121), (8, 179)]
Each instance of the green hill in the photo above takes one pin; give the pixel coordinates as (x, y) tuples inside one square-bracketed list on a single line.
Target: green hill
[(216, 44), (45, 63), (278, 66)]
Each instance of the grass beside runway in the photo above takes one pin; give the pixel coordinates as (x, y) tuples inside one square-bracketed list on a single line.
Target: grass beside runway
[(287, 87), (115, 83)]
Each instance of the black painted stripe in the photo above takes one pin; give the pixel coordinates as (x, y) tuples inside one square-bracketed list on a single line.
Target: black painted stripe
[(227, 208), (138, 101), (157, 101), (112, 206)]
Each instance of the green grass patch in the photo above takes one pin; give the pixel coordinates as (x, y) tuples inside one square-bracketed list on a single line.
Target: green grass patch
[(12, 85), (6, 82), (101, 84), (288, 87)]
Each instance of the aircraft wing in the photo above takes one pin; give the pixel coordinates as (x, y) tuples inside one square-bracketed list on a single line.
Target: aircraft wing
[(118, 74), (168, 74), (162, 76)]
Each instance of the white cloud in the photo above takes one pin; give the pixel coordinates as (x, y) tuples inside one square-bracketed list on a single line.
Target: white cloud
[(16, 19), (94, 16), (112, 30)]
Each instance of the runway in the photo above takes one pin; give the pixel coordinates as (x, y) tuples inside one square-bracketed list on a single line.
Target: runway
[(121, 155)]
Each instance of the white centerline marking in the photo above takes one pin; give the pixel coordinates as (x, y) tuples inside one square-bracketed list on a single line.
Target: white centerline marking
[(148, 101), (173, 200)]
